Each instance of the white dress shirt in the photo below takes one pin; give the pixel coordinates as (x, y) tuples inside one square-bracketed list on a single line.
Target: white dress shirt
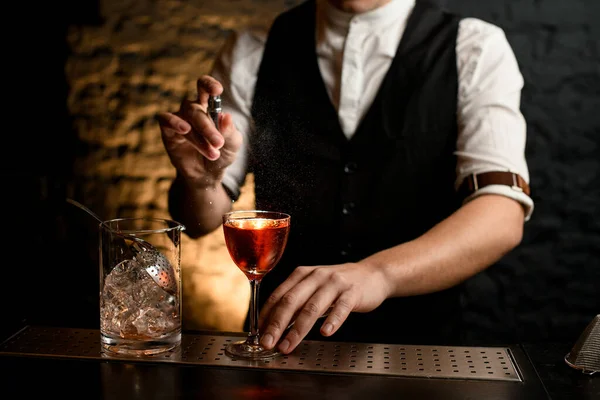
[(354, 53)]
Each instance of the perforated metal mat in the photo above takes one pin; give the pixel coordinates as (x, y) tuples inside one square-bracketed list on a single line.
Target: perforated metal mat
[(487, 363)]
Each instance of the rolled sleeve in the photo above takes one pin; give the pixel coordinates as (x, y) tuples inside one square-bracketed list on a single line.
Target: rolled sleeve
[(506, 191), (492, 129)]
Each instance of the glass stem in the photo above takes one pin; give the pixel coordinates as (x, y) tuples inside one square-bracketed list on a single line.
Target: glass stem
[(253, 338)]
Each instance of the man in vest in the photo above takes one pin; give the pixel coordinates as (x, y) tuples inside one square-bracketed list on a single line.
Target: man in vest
[(391, 131)]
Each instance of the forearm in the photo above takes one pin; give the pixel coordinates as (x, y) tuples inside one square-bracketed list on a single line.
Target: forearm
[(464, 244), (197, 206)]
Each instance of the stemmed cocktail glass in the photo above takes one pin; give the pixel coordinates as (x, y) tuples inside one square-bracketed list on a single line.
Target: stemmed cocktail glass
[(256, 241)]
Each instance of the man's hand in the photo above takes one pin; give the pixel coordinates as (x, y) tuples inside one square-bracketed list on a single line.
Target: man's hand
[(464, 244), (311, 291), (195, 147)]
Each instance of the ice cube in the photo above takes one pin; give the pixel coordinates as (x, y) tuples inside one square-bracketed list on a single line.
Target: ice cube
[(132, 305)]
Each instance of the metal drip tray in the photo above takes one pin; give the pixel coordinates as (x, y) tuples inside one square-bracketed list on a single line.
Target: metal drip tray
[(481, 363)]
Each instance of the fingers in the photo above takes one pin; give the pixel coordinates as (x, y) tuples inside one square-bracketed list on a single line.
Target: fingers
[(203, 135), (232, 137), (171, 125), (191, 130), (208, 86), (305, 319), (201, 123), (304, 303), (295, 278), (337, 314)]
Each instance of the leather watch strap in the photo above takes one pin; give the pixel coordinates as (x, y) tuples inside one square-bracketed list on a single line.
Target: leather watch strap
[(474, 182)]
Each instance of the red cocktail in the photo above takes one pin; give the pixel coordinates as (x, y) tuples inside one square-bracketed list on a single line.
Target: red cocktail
[(256, 241)]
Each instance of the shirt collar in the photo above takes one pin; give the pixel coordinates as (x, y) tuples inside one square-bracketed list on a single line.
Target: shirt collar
[(371, 20)]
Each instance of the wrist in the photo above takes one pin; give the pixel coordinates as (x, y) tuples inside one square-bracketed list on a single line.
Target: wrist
[(198, 182), (380, 271)]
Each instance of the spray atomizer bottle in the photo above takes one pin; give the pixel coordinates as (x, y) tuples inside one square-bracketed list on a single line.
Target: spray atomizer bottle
[(214, 109)]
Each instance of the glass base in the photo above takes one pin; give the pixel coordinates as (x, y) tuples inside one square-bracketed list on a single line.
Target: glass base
[(139, 348), (245, 350)]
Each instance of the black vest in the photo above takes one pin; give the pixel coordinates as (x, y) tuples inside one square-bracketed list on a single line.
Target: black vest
[(390, 183)]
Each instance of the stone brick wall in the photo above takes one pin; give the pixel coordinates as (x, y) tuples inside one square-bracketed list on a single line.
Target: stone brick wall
[(94, 75), (144, 57)]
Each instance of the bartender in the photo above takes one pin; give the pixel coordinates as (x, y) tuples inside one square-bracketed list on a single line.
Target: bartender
[(391, 131)]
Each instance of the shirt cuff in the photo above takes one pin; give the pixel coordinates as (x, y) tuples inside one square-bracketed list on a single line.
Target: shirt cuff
[(504, 190)]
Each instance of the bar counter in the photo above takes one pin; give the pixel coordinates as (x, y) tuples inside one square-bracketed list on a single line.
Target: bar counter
[(68, 363)]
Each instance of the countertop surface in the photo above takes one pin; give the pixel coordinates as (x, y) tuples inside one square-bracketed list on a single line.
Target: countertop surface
[(560, 380), (67, 372)]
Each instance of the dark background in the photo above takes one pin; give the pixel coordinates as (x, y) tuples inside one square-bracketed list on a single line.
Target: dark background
[(547, 289)]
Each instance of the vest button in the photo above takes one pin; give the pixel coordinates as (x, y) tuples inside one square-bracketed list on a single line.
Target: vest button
[(350, 167), (348, 208)]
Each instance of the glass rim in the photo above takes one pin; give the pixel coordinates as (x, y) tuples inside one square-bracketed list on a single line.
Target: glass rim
[(175, 225), (258, 213)]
